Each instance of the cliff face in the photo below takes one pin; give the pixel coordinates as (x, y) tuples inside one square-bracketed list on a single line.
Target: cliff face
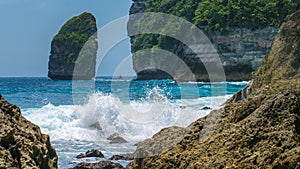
[(261, 131), (281, 68), (241, 50), (74, 49), (22, 145)]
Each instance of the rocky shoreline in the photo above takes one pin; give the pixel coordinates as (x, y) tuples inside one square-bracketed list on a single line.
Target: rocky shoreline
[(260, 131), (22, 145), (259, 127)]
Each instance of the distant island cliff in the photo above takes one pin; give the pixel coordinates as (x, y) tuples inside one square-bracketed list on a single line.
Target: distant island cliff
[(242, 33), (74, 49)]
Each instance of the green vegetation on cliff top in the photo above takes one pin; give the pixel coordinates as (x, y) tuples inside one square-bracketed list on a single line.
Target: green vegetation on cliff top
[(216, 15), (253, 14), (74, 34)]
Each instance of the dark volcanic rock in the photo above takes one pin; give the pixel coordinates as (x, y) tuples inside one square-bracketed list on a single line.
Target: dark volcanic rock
[(205, 108), (100, 165), (261, 130), (91, 153), (115, 138), (81, 155), (74, 49), (22, 145), (128, 156)]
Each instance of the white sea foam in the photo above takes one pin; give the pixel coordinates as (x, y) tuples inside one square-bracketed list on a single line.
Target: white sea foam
[(134, 120)]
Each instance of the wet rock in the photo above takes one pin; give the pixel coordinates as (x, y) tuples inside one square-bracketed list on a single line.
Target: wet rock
[(91, 153), (22, 145), (96, 126), (205, 108), (115, 138), (129, 166), (127, 157), (112, 136), (99, 165), (81, 155)]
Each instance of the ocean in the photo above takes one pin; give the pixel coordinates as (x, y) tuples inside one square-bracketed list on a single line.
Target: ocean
[(69, 110)]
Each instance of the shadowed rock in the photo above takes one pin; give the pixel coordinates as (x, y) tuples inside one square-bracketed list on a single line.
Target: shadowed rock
[(127, 157), (91, 153), (99, 165), (22, 145), (115, 138)]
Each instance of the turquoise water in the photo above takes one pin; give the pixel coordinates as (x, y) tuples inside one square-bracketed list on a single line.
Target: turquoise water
[(136, 110)]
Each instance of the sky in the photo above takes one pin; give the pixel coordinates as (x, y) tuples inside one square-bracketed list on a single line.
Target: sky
[(28, 26)]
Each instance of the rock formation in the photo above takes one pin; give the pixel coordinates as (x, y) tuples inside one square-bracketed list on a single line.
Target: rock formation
[(116, 139), (260, 131), (91, 153), (128, 156), (74, 49), (101, 164), (22, 145), (240, 49)]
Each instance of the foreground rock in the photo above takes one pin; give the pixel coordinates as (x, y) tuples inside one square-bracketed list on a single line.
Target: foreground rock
[(258, 131), (22, 145), (91, 153), (100, 165), (74, 49), (126, 157)]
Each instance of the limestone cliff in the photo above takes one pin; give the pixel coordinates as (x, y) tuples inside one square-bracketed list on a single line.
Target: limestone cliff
[(74, 49), (261, 131), (22, 145), (240, 48)]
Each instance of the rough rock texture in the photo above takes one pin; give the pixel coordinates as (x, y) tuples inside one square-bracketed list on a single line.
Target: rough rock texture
[(127, 156), (281, 67), (115, 139), (260, 131), (241, 50), (22, 145), (99, 165), (74, 49), (91, 153)]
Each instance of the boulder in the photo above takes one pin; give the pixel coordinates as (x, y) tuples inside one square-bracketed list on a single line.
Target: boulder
[(22, 145), (127, 157), (115, 138), (91, 153), (99, 165)]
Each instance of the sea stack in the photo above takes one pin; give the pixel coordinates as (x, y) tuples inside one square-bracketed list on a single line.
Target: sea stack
[(22, 145), (74, 49), (260, 131)]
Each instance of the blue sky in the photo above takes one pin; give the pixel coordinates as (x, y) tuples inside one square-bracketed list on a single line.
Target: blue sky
[(28, 26)]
